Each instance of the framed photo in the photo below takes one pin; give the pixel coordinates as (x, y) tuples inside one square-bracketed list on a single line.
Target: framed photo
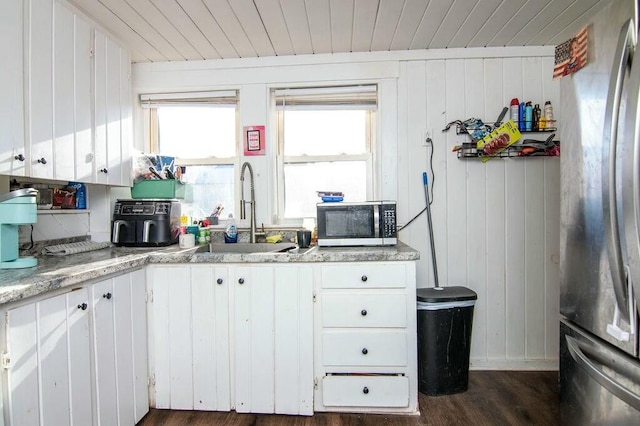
[(254, 140)]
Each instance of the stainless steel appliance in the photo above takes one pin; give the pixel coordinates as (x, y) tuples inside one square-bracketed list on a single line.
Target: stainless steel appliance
[(368, 223), (145, 223), (600, 220)]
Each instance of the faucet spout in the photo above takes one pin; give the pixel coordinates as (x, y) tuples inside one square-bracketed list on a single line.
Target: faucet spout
[(251, 202)]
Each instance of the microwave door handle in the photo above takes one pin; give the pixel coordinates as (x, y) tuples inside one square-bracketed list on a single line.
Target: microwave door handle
[(609, 157)]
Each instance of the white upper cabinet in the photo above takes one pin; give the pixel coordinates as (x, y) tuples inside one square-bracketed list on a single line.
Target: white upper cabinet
[(12, 146), (40, 88), (112, 112), (64, 75), (75, 83)]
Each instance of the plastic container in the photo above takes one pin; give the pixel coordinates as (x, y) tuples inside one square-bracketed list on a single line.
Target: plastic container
[(528, 117), (165, 188), (548, 114), (445, 318)]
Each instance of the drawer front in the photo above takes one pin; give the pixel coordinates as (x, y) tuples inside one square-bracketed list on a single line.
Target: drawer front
[(365, 391), (364, 275), (364, 349), (364, 310)]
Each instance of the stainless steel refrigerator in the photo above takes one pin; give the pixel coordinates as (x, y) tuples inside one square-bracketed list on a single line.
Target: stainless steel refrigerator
[(600, 223)]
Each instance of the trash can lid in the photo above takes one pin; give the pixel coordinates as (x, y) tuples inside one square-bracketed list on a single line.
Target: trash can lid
[(445, 294)]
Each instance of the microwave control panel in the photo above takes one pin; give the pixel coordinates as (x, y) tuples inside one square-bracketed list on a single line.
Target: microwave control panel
[(389, 225)]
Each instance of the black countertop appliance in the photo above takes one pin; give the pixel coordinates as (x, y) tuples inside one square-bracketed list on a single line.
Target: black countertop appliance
[(145, 222)]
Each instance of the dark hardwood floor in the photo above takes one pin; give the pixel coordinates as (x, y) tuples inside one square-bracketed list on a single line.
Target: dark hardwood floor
[(493, 398)]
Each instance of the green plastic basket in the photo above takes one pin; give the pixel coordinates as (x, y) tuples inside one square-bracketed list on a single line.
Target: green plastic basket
[(165, 188)]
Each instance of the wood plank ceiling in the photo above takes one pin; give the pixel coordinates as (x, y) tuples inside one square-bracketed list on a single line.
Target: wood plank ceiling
[(179, 30)]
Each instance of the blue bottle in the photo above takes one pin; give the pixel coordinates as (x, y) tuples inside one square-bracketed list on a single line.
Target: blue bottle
[(521, 116), (528, 117)]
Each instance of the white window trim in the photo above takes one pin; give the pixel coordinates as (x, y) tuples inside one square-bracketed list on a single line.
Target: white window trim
[(280, 160)]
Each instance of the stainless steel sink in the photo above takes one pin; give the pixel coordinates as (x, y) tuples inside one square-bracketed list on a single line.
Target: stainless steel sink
[(246, 248)]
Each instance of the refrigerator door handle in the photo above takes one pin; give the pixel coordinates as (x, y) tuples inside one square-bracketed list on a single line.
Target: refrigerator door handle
[(626, 41), (579, 350)]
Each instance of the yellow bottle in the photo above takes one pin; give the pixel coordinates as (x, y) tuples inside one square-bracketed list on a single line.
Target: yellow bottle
[(542, 124)]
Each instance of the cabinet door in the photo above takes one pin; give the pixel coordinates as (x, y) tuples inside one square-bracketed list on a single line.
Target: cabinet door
[(83, 104), (12, 147), (63, 73), (114, 122), (191, 337), (40, 101), (104, 352), (100, 108), (126, 113), (273, 352), (119, 348), (49, 377)]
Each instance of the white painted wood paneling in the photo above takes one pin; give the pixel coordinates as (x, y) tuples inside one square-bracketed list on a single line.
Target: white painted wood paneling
[(226, 18), (431, 22), (270, 13), (364, 19), (123, 321), (40, 88), (139, 343), (470, 24), (460, 11), (79, 362), (113, 123), (341, 24), (63, 76), (53, 354), (82, 103), (12, 142), (386, 24), (104, 354), (479, 210), (319, 19), (298, 28), (209, 27), (22, 337), (253, 27)]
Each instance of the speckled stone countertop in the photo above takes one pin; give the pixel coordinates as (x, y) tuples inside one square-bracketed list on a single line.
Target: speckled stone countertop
[(54, 272)]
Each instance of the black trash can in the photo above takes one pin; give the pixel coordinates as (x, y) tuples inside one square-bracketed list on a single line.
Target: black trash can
[(445, 317)]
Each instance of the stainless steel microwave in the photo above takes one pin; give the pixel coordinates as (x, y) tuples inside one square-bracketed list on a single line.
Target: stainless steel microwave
[(368, 223)]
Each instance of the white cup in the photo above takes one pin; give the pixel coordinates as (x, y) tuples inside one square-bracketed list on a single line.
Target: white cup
[(187, 240)]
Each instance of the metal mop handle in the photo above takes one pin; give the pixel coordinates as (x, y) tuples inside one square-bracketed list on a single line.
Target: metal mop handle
[(425, 182)]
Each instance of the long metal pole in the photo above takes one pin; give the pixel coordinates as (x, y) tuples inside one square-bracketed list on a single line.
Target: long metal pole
[(425, 181)]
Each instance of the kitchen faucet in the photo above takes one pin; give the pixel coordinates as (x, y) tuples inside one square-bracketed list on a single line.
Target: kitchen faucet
[(243, 213)]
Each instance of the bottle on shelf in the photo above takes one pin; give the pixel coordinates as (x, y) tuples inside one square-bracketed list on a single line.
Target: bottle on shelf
[(521, 116), (528, 117), (536, 118), (514, 110), (548, 115)]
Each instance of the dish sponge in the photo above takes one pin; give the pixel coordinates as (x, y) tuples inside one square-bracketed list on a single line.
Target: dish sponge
[(274, 238)]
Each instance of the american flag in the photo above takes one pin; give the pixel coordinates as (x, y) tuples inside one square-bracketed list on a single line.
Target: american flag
[(563, 63)]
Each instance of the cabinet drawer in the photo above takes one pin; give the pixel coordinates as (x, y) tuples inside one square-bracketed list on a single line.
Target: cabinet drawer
[(364, 348), (365, 391), (364, 310), (364, 275)]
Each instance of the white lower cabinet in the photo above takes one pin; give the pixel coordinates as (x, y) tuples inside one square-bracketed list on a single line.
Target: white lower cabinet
[(190, 337), (273, 329), (365, 338), (79, 358), (246, 328)]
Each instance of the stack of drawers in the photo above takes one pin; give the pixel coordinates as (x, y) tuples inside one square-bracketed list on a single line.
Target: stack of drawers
[(368, 337)]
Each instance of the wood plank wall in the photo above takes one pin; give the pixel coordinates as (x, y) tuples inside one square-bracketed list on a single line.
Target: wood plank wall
[(496, 225)]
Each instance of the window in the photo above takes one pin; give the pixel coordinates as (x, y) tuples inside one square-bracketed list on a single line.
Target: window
[(200, 131), (325, 139)]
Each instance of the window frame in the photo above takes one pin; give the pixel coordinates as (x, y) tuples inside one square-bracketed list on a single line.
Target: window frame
[(151, 103), (369, 156)]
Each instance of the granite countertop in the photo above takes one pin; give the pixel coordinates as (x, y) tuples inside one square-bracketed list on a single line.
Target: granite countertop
[(54, 272)]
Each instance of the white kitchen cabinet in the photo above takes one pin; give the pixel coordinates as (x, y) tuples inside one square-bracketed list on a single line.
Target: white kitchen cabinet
[(190, 337), (119, 347), (273, 329), (40, 88), (48, 361), (257, 318), (12, 147), (83, 105), (113, 112), (365, 338), (85, 349)]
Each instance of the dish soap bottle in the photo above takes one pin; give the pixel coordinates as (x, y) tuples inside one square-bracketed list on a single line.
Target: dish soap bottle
[(231, 233)]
